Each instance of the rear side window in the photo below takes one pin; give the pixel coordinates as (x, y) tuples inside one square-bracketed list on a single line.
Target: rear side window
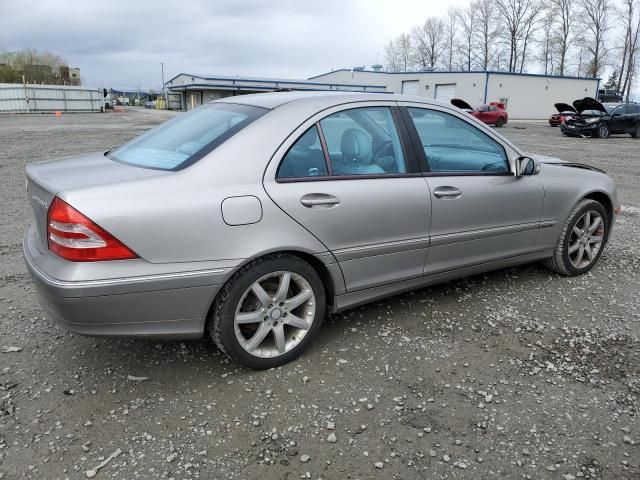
[(187, 138), (453, 145), (305, 158), (631, 109)]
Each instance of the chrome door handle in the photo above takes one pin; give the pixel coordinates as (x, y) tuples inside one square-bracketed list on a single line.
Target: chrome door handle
[(447, 192), (319, 200)]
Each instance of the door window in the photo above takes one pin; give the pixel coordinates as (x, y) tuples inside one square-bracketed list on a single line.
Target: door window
[(305, 158), (363, 141), (454, 145)]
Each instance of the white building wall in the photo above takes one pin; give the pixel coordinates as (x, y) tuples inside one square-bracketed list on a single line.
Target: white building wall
[(527, 96), (532, 97)]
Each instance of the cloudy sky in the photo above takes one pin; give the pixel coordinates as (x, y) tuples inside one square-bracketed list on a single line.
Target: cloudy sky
[(121, 43)]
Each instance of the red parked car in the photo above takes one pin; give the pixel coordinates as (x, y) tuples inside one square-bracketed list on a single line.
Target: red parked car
[(493, 113), (564, 111)]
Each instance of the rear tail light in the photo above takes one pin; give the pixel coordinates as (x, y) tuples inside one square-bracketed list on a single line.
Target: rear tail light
[(74, 237)]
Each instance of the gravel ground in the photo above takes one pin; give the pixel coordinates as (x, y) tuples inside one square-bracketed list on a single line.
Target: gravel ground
[(517, 373)]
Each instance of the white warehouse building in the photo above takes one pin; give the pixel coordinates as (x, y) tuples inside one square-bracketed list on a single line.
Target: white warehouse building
[(526, 95)]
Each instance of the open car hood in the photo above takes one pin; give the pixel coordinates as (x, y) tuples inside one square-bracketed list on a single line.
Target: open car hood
[(457, 102), (564, 107), (588, 103)]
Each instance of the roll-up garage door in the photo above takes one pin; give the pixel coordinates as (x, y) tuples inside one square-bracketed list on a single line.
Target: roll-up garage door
[(445, 92), (410, 87)]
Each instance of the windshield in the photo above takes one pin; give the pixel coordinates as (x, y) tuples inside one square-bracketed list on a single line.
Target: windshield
[(610, 108), (592, 113), (188, 137)]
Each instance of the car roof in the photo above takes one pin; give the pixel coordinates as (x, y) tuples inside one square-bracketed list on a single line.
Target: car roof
[(273, 100)]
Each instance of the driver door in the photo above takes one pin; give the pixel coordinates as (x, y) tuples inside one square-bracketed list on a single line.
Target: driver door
[(481, 212)]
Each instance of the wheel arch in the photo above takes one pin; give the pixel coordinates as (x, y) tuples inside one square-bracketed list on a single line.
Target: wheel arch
[(605, 200), (328, 282)]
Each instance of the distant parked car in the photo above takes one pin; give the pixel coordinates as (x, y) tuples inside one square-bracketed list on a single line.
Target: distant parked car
[(493, 113), (149, 104), (609, 95), (248, 218), (564, 111), (599, 121)]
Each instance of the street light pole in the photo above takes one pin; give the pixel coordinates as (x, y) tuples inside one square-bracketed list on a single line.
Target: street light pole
[(164, 96)]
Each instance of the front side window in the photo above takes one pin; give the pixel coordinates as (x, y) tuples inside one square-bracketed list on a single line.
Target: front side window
[(187, 138), (363, 141), (453, 145)]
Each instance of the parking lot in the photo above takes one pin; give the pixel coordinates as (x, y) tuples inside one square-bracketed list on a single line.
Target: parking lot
[(517, 373)]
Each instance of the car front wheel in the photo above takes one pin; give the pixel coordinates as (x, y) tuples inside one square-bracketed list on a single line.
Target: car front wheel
[(582, 239), (603, 131), (269, 312), (636, 132)]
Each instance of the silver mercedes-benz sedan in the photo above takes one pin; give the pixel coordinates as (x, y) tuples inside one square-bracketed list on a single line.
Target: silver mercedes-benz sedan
[(249, 218)]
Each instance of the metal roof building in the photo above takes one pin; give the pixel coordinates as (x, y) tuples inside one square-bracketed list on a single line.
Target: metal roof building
[(187, 91)]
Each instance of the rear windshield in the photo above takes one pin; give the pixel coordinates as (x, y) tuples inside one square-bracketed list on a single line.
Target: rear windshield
[(187, 138)]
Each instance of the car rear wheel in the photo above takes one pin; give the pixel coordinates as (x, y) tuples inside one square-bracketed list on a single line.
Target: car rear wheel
[(269, 312), (500, 122), (582, 239), (603, 131), (636, 132)]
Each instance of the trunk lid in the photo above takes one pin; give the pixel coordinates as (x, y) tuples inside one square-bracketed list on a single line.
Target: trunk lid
[(47, 179), (461, 104)]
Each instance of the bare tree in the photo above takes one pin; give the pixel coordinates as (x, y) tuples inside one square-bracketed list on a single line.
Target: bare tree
[(531, 25), (564, 13), (486, 31), (450, 36), (398, 53), (597, 21), (467, 19), (427, 43), (547, 43), (519, 20), (391, 56), (631, 48)]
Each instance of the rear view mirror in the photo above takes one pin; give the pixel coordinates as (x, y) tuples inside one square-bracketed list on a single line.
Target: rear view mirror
[(526, 166)]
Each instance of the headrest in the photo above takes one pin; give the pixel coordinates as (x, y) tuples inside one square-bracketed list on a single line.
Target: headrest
[(355, 145)]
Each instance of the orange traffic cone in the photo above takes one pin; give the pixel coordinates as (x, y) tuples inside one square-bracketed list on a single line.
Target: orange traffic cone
[(58, 113)]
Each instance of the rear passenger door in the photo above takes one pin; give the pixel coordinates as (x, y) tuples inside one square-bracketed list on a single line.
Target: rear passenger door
[(481, 212), (350, 179)]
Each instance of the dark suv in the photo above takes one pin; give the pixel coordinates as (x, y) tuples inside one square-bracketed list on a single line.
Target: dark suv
[(599, 121)]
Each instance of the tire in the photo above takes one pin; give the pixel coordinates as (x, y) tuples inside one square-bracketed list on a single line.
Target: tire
[(636, 132), (602, 131), (237, 339), (500, 122), (563, 261)]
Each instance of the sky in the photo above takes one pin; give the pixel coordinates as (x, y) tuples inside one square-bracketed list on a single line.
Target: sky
[(120, 44)]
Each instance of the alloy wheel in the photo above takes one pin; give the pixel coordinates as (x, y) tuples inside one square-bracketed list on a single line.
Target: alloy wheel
[(274, 314), (586, 239), (603, 131)]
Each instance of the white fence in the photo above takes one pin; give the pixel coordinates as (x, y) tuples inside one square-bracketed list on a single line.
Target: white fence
[(29, 98)]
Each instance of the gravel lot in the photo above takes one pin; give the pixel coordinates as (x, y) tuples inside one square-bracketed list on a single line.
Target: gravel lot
[(517, 374)]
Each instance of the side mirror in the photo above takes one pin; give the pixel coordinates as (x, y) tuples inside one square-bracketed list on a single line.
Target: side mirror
[(526, 166)]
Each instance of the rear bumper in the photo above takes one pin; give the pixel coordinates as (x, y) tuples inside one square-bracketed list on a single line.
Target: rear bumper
[(169, 304)]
